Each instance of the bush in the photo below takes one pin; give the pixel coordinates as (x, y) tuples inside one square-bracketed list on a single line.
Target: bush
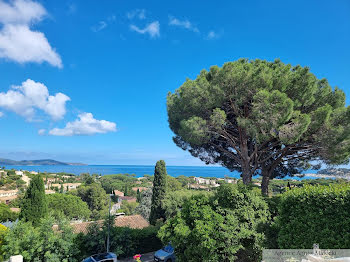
[(223, 227), (6, 214), (315, 214), (124, 241)]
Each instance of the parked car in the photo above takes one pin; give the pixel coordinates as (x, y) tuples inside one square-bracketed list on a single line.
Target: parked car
[(104, 257), (166, 254)]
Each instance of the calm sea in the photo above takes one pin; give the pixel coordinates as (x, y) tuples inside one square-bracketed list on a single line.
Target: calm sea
[(202, 171)]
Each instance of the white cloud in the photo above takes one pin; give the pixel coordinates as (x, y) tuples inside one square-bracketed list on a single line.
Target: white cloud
[(25, 99), (183, 23), (100, 26), (137, 13), (85, 125), (213, 35), (21, 11), (152, 29), (17, 41), (41, 132), (1, 114)]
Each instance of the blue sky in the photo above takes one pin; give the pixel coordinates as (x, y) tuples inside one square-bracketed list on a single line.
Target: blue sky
[(67, 65)]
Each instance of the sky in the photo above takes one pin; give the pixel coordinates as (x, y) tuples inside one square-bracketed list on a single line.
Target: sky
[(86, 81)]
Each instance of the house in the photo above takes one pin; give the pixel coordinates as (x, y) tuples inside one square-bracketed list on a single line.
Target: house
[(67, 186), (139, 188), (200, 180), (33, 172), (230, 181), (135, 221), (195, 186), (118, 193), (19, 173), (7, 195), (47, 192)]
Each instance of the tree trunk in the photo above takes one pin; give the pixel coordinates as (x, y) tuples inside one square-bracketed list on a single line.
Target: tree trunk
[(246, 174), (265, 172)]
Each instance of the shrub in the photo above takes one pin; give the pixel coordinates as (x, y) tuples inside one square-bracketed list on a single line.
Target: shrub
[(315, 214), (223, 227), (6, 214), (124, 241)]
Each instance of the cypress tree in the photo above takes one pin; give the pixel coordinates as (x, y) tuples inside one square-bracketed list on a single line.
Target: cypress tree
[(126, 190), (138, 195), (159, 191), (34, 206)]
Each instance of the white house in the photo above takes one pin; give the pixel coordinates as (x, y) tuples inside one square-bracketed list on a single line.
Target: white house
[(19, 173)]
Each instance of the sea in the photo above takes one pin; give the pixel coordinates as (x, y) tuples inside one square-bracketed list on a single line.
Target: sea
[(140, 170)]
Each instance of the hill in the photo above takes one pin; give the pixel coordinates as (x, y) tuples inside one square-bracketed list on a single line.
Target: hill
[(40, 162)]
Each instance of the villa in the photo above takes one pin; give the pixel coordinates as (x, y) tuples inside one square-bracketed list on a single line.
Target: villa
[(7, 195)]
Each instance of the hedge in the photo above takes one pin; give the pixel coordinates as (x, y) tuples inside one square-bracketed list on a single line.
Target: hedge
[(315, 214), (124, 241)]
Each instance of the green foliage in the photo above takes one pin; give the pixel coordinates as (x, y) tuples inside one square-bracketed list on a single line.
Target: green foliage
[(95, 197), (174, 200), (71, 206), (124, 241), (251, 115), (3, 232), (128, 207), (41, 243), (34, 204), (118, 182), (144, 208), (315, 214), (6, 214), (173, 184), (159, 191), (223, 227)]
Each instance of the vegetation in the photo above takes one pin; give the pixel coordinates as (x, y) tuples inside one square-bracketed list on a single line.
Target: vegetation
[(34, 204), (41, 243), (260, 117), (129, 208), (144, 208), (222, 227), (315, 214), (174, 201), (95, 197), (159, 191), (125, 242), (72, 207), (6, 214)]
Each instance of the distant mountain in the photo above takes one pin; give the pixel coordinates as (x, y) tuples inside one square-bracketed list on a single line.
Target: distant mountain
[(41, 162)]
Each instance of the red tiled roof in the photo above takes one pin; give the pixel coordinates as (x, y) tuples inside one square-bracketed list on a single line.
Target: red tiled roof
[(128, 198)]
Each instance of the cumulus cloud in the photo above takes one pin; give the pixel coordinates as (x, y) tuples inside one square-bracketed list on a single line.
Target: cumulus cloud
[(183, 23), (86, 124), (25, 99), (137, 13), (21, 11), (153, 29), (17, 41)]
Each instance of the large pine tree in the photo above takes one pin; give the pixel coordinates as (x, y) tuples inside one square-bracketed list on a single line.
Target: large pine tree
[(159, 191), (34, 205)]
